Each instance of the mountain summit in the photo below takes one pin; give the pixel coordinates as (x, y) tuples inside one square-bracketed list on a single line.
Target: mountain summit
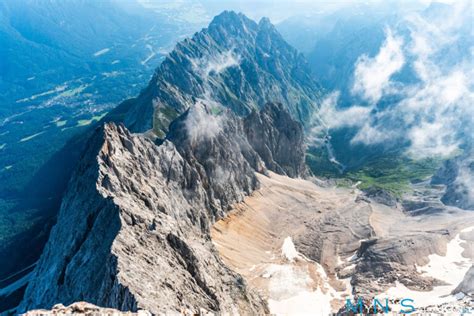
[(234, 62)]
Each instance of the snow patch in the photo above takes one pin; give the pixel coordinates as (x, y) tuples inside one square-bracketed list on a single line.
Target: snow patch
[(304, 303), (295, 290), (288, 249), (450, 268)]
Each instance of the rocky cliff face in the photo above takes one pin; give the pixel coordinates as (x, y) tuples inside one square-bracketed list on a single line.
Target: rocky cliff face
[(133, 230), (235, 62), (272, 132)]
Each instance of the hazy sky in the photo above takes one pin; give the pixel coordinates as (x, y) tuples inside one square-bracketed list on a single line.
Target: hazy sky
[(276, 10)]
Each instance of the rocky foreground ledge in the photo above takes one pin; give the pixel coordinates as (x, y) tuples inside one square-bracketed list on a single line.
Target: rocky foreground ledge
[(88, 309), (83, 308)]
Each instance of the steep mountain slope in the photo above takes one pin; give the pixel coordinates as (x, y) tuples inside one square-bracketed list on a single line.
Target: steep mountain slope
[(272, 143), (133, 230), (235, 62)]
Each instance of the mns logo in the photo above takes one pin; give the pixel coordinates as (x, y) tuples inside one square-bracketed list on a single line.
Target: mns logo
[(406, 305)]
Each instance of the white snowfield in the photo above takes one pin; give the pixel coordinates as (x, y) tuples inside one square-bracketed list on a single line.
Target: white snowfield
[(292, 290), (450, 268), (288, 249)]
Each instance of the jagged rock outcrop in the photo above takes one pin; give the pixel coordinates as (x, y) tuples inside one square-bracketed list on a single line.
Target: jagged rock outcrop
[(133, 231), (215, 145), (272, 132), (236, 62)]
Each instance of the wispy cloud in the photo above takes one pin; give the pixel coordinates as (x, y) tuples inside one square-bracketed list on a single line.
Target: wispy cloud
[(215, 64), (201, 124), (435, 113), (372, 75), (333, 118)]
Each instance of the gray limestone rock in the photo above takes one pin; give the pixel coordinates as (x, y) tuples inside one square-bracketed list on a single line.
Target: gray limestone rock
[(133, 232), (278, 139)]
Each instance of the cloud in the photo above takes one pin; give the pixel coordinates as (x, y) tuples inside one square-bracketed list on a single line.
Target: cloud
[(201, 124), (434, 113), (334, 118), (210, 66), (370, 135), (439, 113), (215, 64), (372, 75), (431, 139)]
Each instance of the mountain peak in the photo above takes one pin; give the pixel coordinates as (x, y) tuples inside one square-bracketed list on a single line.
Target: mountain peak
[(265, 22), (236, 63), (230, 18)]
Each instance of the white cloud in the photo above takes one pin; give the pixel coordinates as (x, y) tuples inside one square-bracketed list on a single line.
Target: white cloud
[(370, 135), (201, 123), (431, 139), (215, 64), (372, 75), (435, 114), (334, 118)]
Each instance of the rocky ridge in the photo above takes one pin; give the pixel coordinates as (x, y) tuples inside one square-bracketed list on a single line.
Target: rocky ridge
[(272, 143), (133, 230)]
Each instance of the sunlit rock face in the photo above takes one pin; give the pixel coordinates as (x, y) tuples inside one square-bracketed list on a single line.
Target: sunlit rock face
[(133, 230)]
